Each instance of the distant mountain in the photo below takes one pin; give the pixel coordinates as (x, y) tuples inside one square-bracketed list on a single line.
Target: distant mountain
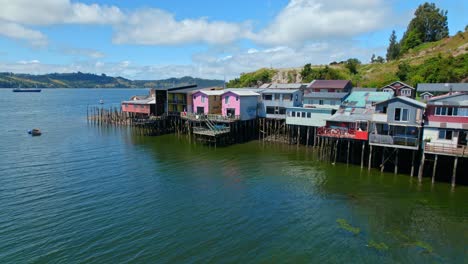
[(88, 80)]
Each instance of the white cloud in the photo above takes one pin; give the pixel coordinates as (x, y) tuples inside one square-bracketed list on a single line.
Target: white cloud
[(48, 12), (82, 52), (314, 20), (19, 32), (158, 27)]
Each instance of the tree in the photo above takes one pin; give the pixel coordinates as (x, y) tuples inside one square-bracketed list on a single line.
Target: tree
[(352, 64), (372, 59), (306, 71), (403, 71), (380, 59), (393, 50), (429, 24)]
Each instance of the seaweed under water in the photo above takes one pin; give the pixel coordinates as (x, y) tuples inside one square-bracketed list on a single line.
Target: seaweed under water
[(346, 226)]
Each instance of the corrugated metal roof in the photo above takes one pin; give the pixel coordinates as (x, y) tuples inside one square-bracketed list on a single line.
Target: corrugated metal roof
[(449, 99), (265, 85), (336, 84), (286, 86), (143, 101), (442, 87), (407, 100), (212, 92), (253, 89), (279, 91), (325, 95), (352, 115), (361, 99), (360, 89), (244, 93)]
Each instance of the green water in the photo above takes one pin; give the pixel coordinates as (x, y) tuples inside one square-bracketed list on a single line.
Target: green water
[(87, 194)]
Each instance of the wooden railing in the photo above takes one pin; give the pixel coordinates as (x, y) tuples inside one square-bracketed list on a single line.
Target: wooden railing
[(211, 117), (393, 140), (342, 133), (448, 149)]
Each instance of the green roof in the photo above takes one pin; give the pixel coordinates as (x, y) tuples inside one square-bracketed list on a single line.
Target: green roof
[(360, 99)]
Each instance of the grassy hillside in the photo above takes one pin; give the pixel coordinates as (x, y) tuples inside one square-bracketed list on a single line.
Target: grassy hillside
[(442, 61), (87, 80)]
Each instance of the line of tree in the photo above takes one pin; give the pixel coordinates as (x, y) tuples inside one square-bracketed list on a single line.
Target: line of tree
[(429, 24)]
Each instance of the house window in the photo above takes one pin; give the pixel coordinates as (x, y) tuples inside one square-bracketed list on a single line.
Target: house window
[(282, 110), (406, 92), (203, 99), (293, 114), (296, 97), (271, 110), (267, 97), (287, 97), (308, 115), (445, 134), (401, 114), (303, 114), (226, 99), (320, 102), (237, 98), (446, 111)]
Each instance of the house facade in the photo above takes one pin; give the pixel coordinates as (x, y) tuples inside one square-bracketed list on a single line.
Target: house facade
[(207, 102), (274, 102), (397, 122), (446, 124), (241, 105), (400, 89), (313, 117), (179, 99), (322, 99)]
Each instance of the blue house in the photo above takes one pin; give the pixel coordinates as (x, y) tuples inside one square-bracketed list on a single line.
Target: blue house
[(397, 123), (275, 101)]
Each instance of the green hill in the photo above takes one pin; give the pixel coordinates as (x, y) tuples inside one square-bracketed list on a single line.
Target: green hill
[(88, 80), (441, 61)]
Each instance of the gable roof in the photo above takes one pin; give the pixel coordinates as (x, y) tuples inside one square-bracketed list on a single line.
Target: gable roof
[(243, 93), (406, 100), (285, 86), (211, 92), (449, 99), (352, 115), (442, 87), (329, 84), (279, 91), (398, 85), (149, 100)]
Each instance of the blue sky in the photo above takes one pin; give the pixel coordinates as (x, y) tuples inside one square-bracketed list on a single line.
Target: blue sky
[(143, 39)]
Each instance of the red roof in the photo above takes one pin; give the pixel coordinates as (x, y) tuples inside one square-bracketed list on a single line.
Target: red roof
[(329, 84)]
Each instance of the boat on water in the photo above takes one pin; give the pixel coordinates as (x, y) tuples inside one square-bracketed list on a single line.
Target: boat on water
[(27, 90), (101, 101), (35, 132)]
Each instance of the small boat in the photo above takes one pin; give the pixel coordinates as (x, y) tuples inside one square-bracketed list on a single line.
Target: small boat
[(27, 90), (101, 101), (35, 132)]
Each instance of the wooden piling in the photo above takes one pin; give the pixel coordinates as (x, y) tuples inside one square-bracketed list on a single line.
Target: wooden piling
[(421, 167), (370, 158), (396, 162), (362, 154), (434, 168), (454, 173)]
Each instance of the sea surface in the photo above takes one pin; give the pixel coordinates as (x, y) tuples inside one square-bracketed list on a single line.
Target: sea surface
[(87, 194)]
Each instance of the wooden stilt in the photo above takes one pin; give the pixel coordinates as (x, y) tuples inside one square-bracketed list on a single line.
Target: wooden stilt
[(454, 173), (347, 153), (412, 163), (434, 168), (370, 158), (336, 150), (298, 135), (396, 162), (307, 138), (421, 167), (382, 165), (362, 154)]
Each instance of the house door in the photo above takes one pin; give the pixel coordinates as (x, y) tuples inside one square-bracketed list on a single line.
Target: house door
[(230, 112), (200, 110)]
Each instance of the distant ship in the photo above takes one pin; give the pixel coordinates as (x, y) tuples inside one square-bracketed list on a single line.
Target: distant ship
[(27, 90)]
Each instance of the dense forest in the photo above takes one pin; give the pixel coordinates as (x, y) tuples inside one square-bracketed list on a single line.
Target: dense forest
[(425, 54), (88, 80)]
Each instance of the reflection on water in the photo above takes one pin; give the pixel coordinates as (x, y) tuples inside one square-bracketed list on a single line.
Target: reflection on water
[(103, 194)]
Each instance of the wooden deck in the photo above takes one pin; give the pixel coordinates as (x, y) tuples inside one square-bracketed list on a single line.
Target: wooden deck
[(210, 117), (445, 149), (342, 133), (209, 132)]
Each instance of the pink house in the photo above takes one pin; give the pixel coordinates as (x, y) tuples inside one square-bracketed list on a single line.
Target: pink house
[(207, 102), (240, 104)]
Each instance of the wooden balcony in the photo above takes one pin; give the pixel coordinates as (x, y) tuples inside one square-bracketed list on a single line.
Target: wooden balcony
[(446, 149), (211, 117), (342, 133), (397, 141)]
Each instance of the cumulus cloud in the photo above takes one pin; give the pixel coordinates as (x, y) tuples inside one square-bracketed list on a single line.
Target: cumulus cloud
[(48, 12), (19, 32), (158, 27), (314, 20)]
